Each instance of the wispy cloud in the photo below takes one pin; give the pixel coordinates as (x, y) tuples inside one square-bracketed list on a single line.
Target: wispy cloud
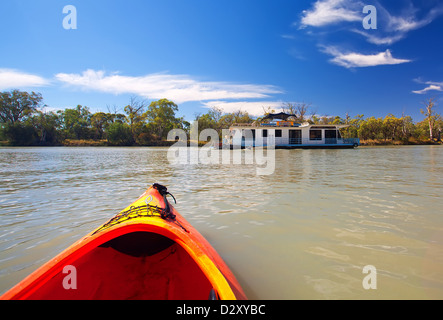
[(179, 88), (254, 108), (358, 60), (410, 22), (14, 79), (393, 28), (390, 28), (379, 39), (326, 12), (431, 86)]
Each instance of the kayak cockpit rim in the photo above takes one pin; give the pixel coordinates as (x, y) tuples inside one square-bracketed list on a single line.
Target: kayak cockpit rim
[(30, 286)]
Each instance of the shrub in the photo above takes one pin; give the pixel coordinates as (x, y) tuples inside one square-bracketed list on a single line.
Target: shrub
[(119, 134)]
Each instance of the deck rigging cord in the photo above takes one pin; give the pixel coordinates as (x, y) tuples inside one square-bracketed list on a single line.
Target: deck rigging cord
[(146, 211)]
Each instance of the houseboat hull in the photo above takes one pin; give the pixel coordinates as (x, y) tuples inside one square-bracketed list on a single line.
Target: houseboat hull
[(291, 147), (332, 146)]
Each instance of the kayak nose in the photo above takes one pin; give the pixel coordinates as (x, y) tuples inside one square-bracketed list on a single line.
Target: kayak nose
[(163, 190), (167, 213)]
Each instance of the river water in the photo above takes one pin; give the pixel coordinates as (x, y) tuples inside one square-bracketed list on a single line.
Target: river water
[(304, 232)]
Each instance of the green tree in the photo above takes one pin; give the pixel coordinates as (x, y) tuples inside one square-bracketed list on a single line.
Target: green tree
[(135, 115), (391, 127), (16, 105), (117, 117), (207, 121), (421, 130), (47, 126), (242, 117), (20, 134), (314, 119), (407, 128), (239, 116), (326, 120), (99, 122), (2, 132), (439, 128), (119, 134), (371, 129), (338, 120), (161, 118), (354, 126), (76, 123), (16, 108), (217, 120)]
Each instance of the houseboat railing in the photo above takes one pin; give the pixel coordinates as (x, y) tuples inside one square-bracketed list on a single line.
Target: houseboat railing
[(353, 141), (295, 140), (327, 141)]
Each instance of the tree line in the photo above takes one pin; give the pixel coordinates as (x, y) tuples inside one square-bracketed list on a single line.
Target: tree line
[(23, 122), (383, 129)]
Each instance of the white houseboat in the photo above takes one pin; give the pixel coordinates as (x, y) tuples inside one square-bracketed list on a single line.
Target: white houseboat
[(288, 135)]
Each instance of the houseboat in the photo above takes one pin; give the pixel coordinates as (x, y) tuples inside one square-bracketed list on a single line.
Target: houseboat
[(288, 135)]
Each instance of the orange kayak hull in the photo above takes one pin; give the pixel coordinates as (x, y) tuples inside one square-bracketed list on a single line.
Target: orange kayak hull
[(138, 255)]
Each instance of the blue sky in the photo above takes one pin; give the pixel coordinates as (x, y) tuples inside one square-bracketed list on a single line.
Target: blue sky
[(244, 55)]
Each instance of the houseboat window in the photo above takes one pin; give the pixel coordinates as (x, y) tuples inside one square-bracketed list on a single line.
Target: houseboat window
[(278, 133), (315, 135), (265, 133), (248, 133), (331, 134)]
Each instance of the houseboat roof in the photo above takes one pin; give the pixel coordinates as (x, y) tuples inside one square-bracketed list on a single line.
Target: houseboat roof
[(281, 116), (287, 125)]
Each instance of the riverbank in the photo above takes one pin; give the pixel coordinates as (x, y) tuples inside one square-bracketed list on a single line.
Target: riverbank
[(91, 143), (410, 142), (163, 143), (100, 143)]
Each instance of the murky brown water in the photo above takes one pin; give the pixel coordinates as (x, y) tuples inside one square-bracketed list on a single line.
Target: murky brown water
[(305, 232)]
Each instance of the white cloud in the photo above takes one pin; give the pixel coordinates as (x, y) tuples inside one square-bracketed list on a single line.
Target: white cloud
[(13, 79), (395, 28), (380, 40), (390, 28), (432, 86), (254, 108), (405, 24), (327, 12), (410, 22), (178, 88), (357, 60)]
